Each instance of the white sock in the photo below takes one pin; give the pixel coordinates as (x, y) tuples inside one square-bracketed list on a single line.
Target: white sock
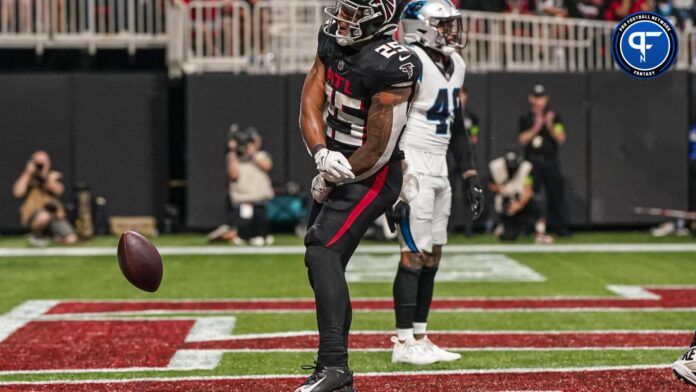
[(419, 328), (540, 227), (404, 334)]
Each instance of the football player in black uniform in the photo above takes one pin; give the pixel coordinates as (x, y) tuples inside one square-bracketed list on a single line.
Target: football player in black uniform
[(354, 106)]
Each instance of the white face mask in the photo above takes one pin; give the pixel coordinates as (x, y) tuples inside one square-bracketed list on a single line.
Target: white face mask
[(665, 8)]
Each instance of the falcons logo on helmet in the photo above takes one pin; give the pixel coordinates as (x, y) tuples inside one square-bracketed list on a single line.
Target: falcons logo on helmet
[(388, 8)]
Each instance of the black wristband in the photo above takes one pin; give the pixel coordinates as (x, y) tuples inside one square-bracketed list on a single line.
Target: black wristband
[(317, 148)]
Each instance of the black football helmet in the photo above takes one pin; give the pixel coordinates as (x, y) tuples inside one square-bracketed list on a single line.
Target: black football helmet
[(355, 21)]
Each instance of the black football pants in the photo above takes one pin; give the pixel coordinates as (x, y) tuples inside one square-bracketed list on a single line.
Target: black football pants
[(547, 176), (334, 232)]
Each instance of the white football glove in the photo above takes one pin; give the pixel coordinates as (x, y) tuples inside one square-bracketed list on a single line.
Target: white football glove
[(333, 165), (320, 190)]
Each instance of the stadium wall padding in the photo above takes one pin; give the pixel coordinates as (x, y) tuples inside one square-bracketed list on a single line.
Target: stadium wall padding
[(121, 140), (106, 129), (638, 145), (301, 167), (213, 102)]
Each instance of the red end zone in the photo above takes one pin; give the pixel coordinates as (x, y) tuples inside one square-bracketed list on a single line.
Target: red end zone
[(76, 336), (589, 381), (49, 345)]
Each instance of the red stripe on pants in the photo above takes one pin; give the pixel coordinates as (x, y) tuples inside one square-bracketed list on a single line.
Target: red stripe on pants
[(369, 197)]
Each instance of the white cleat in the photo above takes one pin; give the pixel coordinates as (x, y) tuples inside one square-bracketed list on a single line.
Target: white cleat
[(435, 351), (412, 353), (685, 366)]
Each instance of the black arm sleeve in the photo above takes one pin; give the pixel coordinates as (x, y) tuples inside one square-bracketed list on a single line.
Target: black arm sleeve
[(460, 147)]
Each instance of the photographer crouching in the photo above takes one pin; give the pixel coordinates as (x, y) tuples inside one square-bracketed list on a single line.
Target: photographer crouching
[(250, 186), (41, 211), (512, 185)]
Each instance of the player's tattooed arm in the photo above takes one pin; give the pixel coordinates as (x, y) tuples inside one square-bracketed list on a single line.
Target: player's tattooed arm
[(382, 120), (312, 107)]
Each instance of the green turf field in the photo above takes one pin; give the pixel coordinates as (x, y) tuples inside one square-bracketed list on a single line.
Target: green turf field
[(603, 237), (567, 275)]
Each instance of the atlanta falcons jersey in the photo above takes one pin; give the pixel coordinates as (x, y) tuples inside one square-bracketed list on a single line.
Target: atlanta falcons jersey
[(353, 77), (434, 107)]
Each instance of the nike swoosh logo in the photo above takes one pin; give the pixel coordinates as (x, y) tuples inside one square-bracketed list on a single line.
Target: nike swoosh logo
[(401, 58), (315, 385)]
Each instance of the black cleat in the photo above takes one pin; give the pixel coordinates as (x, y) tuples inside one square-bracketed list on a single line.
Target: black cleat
[(328, 379)]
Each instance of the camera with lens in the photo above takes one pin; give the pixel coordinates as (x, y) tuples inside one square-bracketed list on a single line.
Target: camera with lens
[(38, 174), (242, 138)]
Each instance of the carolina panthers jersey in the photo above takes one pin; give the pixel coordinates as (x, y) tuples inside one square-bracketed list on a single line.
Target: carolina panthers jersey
[(353, 77), (435, 105)]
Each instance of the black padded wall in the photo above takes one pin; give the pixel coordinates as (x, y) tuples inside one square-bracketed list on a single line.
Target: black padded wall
[(213, 102), (567, 96), (36, 115), (301, 167), (121, 140), (639, 141), (477, 87)]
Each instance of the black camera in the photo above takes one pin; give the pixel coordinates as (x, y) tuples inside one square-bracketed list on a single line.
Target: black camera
[(38, 174), (242, 137)]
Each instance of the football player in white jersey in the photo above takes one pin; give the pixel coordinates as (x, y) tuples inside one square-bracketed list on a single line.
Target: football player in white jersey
[(433, 30)]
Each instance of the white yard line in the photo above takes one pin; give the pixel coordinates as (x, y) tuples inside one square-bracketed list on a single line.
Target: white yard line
[(299, 376), (22, 315), (463, 349), (211, 328), (290, 334), (369, 249), (195, 360), (632, 292)]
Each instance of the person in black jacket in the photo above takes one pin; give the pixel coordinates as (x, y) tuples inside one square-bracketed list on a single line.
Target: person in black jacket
[(541, 132)]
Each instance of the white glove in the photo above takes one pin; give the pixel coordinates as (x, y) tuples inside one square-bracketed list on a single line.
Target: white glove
[(320, 190), (333, 165)]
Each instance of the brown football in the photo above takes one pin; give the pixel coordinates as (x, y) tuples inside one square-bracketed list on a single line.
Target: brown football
[(140, 261)]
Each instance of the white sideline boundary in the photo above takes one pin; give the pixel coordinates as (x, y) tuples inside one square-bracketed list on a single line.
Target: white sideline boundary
[(371, 374), (364, 249)]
